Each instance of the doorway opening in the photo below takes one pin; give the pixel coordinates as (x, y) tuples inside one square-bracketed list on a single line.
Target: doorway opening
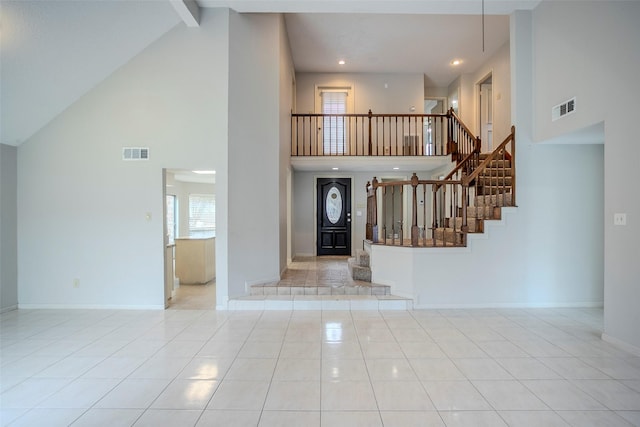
[(189, 239), (434, 132), (484, 89)]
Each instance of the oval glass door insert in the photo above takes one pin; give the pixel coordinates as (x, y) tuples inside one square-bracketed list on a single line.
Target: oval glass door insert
[(333, 205)]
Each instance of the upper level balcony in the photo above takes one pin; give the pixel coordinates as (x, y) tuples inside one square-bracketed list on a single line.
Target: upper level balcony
[(369, 141)]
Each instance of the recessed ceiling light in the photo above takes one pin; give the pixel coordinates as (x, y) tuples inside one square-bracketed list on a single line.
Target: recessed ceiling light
[(456, 62), (341, 62), (205, 172), (335, 169), (396, 168)]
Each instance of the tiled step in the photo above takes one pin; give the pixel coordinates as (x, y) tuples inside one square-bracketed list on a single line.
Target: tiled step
[(321, 302), (352, 288)]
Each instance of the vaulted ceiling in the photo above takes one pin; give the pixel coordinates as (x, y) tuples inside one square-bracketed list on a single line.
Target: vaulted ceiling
[(53, 52)]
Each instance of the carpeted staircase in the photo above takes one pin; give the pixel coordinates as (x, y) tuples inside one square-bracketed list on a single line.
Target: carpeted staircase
[(360, 267), (493, 190)]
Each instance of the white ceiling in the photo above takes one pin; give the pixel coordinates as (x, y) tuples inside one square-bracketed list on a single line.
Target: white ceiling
[(379, 43), (53, 52)]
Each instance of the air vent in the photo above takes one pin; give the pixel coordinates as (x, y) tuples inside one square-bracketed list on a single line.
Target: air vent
[(135, 153), (563, 109)]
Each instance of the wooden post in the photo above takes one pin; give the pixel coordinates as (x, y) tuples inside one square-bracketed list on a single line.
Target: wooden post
[(370, 146), (415, 231), (369, 226), (465, 191), (513, 166)]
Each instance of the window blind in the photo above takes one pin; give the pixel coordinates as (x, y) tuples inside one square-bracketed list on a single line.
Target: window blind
[(334, 133), (202, 215)]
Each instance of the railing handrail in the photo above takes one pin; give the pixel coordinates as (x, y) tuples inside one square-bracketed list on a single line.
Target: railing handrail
[(366, 115), (436, 182), (482, 166), (458, 167), (369, 134), (466, 129)]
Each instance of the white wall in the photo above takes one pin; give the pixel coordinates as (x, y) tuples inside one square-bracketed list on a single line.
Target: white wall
[(589, 50), (287, 93), (536, 257), (8, 227), (403, 91), (82, 210), (547, 252), (499, 67), (254, 188)]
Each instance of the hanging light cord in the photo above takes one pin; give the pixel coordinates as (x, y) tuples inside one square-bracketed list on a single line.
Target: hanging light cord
[(482, 26)]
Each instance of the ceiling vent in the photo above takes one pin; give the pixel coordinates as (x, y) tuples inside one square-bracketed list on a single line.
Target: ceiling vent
[(135, 153), (563, 109)]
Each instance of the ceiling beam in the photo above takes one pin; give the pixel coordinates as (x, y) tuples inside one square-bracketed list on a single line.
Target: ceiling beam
[(188, 10)]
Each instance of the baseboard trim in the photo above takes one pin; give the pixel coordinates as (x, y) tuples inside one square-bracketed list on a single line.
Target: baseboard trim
[(89, 307), (622, 344), (8, 309), (506, 305)]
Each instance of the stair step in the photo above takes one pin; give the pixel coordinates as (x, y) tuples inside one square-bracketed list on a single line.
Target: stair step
[(502, 199), (358, 272), (496, 172), (484, 212), (362, 258), (485, 191), (504, 181), (449, 235), (499, 163), (353, 288), (475, 225)]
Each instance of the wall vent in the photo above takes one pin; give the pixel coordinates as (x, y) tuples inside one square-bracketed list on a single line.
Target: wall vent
[(563, 109), (135, 153)]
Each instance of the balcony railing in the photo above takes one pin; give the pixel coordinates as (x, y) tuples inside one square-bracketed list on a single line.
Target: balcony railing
[(371, 134)]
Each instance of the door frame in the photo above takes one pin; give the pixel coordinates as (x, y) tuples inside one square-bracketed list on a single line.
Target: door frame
[(315, 206), (478, 103)]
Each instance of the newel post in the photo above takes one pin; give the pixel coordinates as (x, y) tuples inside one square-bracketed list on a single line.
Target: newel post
[(370, 145), (372, 211), (513, 166), (415, 231), (465, 192)]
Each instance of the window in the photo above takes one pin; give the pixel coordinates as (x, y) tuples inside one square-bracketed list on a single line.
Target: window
[(334, 132), (172, 218), (202, 215)]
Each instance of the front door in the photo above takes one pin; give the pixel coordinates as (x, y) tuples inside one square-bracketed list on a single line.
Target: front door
[(334, 216)]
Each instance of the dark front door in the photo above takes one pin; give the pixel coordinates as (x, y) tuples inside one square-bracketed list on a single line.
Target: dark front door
[(334, 216)]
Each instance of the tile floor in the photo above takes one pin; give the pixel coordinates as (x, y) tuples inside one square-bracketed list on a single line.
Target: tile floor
[(506, 367), (194, 297)]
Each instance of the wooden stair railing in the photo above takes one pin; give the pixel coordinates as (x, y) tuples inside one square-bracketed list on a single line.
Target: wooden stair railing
[(386, 200), (501, 178), (462, 142), (487, 180)]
